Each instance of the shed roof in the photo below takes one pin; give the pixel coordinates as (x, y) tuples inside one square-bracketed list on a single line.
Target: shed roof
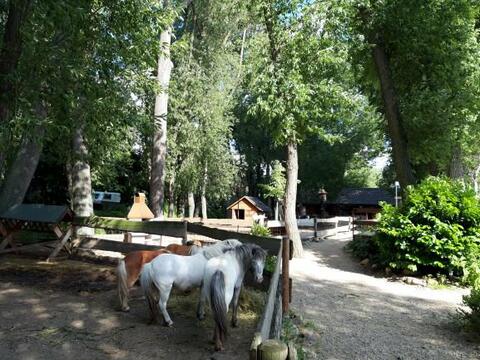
[(255, 201), (363, 196)]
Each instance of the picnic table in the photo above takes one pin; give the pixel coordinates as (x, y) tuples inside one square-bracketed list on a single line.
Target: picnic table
[(38, 218)]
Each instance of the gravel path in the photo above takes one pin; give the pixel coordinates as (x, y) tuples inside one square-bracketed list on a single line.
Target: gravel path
[(359, 316)]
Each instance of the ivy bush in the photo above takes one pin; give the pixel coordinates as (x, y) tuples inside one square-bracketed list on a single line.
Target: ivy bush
[(434, 231), (472, 278)]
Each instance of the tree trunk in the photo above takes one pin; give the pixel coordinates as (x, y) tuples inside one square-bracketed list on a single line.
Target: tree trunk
[(196, 213), (401, 158), (291, 199), (171, 196), (159, 146), (276, 209), (181, 206), (475, 179), (191, 205), (23, 167), (82, 203), (204, 194), (457, 170), (10, 53), (9, 57)]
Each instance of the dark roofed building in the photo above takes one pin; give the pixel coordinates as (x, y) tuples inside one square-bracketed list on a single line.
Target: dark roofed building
[(247, 207), (363, 203)]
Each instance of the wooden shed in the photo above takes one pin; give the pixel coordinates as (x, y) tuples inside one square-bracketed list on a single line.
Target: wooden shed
[(248, 208), (360, 203)]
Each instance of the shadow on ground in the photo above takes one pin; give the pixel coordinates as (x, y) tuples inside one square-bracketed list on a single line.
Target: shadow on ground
[(46, 318), (360, 317)]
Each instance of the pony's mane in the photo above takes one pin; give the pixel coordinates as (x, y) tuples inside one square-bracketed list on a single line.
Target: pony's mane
[(246, 253), (219, 248)]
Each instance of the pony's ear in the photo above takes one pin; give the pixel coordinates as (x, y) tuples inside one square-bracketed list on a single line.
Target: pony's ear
[(257, 250)]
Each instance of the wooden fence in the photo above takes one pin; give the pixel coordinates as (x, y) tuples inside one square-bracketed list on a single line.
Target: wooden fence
[(179, 229)]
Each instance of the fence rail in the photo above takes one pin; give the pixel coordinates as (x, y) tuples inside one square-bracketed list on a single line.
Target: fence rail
[(178, 229)]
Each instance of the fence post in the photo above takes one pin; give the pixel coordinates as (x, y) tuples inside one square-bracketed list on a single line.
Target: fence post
[(315, 228), (185, 232), (285, 274)]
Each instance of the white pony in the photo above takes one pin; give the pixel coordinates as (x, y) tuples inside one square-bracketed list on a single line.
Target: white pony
[(184, 272), (222, 281)]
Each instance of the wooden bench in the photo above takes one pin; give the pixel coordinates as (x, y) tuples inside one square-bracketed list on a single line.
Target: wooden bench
[(38, 218)]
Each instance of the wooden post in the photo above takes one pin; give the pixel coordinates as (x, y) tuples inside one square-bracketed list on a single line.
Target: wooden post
[(273, 350), (285, 274), (257, 340), (292, 351), (127, 237), (185, 232), (315, 228)]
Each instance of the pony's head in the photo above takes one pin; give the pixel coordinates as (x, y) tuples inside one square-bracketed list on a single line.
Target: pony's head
[(252, 257), (257, 262)]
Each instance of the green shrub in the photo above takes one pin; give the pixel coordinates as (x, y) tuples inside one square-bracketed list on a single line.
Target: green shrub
[(270, 263), (472, 279), (363, 247), (260, 230), (434, 231)]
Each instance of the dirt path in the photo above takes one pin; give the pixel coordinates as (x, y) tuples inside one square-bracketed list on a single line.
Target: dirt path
[(359, 316), (68, 312)]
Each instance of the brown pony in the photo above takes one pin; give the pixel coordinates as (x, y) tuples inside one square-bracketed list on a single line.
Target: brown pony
[(130, 267)]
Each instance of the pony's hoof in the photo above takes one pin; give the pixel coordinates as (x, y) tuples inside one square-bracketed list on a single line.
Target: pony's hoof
[(168, 323), (126, 309), (219, 348), (201, 317), (234, 323)]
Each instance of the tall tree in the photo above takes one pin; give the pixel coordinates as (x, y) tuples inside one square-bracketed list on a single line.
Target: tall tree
[(297, 100), (10, 53), (427, 72), (159, 145)]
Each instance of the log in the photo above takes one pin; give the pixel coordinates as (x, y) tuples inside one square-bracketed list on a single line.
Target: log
[(273, 350)]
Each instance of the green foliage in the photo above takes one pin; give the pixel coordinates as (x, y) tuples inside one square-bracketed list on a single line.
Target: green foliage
[(276, 187), (434, 231), (271, 263), (472, 279), (363, 247), (473, 302), (434, 53), (260, 230)]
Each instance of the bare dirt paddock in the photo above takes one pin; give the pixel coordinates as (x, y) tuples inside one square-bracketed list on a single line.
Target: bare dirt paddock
[(68, 310)]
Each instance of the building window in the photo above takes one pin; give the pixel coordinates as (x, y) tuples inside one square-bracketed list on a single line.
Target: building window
[(240, 214)]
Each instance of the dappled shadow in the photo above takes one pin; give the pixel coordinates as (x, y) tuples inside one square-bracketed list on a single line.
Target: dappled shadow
[(40, 321), (330, 252), (362, 317)]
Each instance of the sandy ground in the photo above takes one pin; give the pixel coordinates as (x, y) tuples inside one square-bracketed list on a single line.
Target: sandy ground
[(359, 316), (68, 311)]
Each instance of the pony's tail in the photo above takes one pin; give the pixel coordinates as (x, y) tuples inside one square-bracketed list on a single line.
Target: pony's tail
[(122, 285), (147, 285), (217, 301)]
